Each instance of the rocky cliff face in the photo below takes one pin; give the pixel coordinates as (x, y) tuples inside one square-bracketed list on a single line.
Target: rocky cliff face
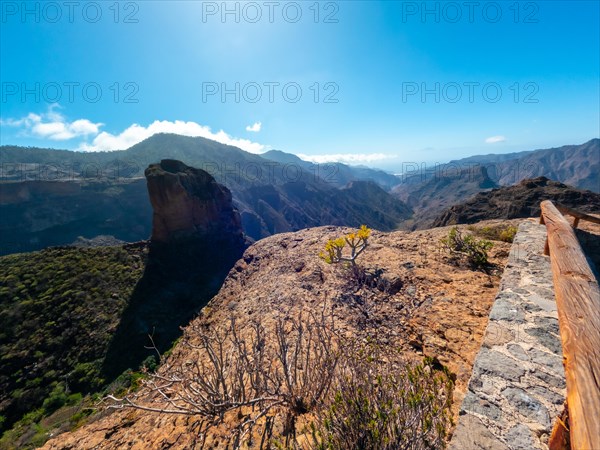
[(196, 239), (188, 202), (521, 200)]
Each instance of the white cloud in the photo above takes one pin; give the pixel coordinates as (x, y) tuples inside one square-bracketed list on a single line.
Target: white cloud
[(136, 133), (53, 126), (254, 128), (348, 158), (495, 139)]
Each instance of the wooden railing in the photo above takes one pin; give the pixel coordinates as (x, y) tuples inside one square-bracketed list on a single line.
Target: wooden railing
[(578, 304), (577, 215)]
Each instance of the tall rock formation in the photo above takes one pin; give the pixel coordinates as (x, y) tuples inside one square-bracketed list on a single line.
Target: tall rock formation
[(189, 203), (196, 239)]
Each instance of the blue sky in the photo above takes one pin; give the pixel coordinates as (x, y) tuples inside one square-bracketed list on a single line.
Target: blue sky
[(378, 83)]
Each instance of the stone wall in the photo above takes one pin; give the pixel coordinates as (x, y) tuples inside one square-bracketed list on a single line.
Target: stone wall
[(517, 387)]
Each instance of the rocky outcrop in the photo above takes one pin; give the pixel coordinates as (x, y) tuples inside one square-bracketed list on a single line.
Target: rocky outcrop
[(433, 307), (188, 202), (521, 200), (196, 239)]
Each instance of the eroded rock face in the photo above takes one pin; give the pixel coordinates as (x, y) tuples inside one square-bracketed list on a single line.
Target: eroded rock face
[(196, 239), (188, 202)]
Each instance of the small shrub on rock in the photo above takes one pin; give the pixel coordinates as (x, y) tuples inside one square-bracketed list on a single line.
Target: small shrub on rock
[(379, 405), (356, 241), (508, 234), (495, 233), (467, 246)]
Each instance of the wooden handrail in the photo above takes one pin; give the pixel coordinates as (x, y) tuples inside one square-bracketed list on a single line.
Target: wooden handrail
[(578, 304), (577, 214)]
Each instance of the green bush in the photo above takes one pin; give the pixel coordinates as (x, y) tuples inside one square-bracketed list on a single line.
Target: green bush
[(79, 418), (474, 250), (150, 364), (126, 382), (57, 399), (495, 233), (508, 234)]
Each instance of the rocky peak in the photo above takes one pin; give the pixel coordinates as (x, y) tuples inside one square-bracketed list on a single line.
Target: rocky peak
[(531, 183), (188, 202), (196, 239)]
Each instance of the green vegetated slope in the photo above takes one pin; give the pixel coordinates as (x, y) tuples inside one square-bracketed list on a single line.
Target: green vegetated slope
[(58, 310)]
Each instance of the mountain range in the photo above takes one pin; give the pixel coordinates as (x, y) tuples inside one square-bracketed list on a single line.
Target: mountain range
[(431, 191), (52, 197), (55, 197), (575, 165)]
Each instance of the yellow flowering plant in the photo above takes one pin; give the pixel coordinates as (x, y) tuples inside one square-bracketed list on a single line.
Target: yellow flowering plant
[(357, 242)]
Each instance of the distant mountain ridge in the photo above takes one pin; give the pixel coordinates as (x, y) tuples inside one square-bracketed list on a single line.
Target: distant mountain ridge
[(437, 193), (429, 192), (575, 165), (274, 192), (228, 164), (271, 196), (337, 173)]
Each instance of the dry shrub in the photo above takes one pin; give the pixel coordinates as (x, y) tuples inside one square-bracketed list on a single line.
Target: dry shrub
[(299, 366), (382, 405), (245, 369)]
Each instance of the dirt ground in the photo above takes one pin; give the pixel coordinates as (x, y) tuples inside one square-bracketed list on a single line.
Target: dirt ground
[(432, 305)]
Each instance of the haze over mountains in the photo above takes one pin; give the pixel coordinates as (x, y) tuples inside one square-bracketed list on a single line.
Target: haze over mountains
[(575, 165), (52, 197)]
